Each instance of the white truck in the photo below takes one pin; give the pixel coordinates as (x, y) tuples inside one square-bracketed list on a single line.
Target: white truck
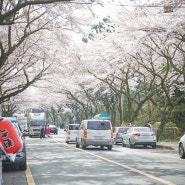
[(35, 121)]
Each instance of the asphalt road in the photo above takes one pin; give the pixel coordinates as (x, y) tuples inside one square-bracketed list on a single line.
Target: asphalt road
[(53, 162)]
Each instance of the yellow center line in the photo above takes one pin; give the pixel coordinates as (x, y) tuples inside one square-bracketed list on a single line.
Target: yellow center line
[(127, 167), (29, 176), (30, 179), (132, 169)]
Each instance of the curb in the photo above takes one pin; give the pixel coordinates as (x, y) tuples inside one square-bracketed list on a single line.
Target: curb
[(166, 147)]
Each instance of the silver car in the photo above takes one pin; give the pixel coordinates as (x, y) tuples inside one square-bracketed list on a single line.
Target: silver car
[(118, 134), (182, 147), (139, 136)]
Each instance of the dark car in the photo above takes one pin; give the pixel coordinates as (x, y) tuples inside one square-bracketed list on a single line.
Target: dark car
[(20, 158), (53, 129)]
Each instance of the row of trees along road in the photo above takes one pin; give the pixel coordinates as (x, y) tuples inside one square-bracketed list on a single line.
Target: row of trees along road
[(134, 71), (22, 61)]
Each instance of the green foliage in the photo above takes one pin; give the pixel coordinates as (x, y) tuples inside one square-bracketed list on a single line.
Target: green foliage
[(104, 26), (170, 124), (178, 113), (167, 135), (84, 39)]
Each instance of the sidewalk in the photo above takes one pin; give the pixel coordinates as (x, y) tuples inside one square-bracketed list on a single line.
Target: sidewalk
[(168, 145)]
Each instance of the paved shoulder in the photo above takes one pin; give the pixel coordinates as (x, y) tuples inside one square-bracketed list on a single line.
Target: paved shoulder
[(168, 145)]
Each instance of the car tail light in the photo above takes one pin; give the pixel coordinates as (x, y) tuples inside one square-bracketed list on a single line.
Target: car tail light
[(85, 133), (68, 132), (111, 133), (153, 134), (136, 134), (117, 134)]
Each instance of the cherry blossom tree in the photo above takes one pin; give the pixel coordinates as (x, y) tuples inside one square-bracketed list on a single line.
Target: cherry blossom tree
[(104, 63), (24, 58), (20, 22), (124, 62)]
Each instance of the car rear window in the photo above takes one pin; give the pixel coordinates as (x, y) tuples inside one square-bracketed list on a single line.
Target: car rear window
[(73, 127), (123, 130), (142, 129), (98, 125)]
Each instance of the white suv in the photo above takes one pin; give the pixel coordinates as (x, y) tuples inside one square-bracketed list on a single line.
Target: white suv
[(71, 133), (95, 133)]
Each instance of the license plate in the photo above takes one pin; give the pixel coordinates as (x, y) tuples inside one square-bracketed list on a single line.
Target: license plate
[(144, 137)]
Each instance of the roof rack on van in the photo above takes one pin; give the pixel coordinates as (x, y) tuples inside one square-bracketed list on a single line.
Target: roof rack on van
[(103, 116)]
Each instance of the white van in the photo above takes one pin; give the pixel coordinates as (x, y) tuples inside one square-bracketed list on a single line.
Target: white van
[(71, 133), (96, 133)]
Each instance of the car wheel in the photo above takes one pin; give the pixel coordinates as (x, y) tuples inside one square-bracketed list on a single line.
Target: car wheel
[(130, 144), (181, 151), (77, 145), (154, 146), (67, 142), (123, 144), (101, 146), (83, 145), (109, 147), (115, 142), (23, 166)]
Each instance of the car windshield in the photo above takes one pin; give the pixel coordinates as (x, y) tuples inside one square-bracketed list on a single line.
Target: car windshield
[(142, 129), (37, 122), (98, 125)]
